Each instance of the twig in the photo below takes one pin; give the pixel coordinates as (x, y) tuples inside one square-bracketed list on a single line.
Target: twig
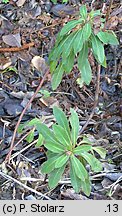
[(23, 185), (109, 10), (96, 100), (16, 49), (22, 150), (23, 112), (22, 139)]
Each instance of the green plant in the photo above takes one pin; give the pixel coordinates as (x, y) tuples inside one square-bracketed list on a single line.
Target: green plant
[(74, 41), (63, 1), (5, 1), (64, 150)]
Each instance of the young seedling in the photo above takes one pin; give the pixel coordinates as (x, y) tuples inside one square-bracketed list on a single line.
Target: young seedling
[(63, 150)]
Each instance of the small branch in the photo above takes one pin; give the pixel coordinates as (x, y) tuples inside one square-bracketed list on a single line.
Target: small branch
[(109, 10), (23, 185), (23, 112), (16, 49), (22, 150), (96, 100)]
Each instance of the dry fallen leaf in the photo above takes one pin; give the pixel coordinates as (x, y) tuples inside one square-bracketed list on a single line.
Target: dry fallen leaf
[(13, 40), (39, 63), (20, 3)]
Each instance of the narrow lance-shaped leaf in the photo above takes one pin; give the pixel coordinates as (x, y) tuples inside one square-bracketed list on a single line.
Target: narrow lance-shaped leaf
[(75, 181), (83, 12), (61, 118), (93, 162), (69, 26), (59, 48), (61, 160), (83, 148), (55, 176), (79, 168), (69, 62), (34, 122), (74, 121), (53, 65), (40, 140), (86, 186), (57, 76), (30, 137), (98, 48), (86, 32), (78, 42), (86, 73), (67, 47), (49, 165), (54, 147), (46, 133), (108, 37), (83, 56), (62, 136), (101, 151)]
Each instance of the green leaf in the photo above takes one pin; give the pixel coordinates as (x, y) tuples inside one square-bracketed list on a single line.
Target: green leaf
[(68, 45), (69, 26), (69, 62), (108, 38), (61, 118), (62, 135), (94, 163), (55, 176), (75, 181), (46, 133), (78, 42), (58, 48), (86, 73), (86, 140), (86, 186), (83, 56), (95, 13), (57, 76), (86, 32), (50, 154), (79, 168), (30, 137), (54, 147), (74, 121), (98, 48), (34, 122), (49, 165), (53, 65), (61, 160), (101, 151), (83, 12), (83, 148), (40, 141)]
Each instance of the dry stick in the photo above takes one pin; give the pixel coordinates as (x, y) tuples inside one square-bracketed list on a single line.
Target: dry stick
[(22, 150), (96, 100), (109, 10), (20, 142), (16, 49), (23, 185), (23, 112)]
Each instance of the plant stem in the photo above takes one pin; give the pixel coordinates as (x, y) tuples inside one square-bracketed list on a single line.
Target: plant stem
[(23, 112), (96, 100)]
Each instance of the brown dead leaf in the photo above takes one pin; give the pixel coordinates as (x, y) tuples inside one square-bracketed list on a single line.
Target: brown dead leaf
[(20, 3), (13, 40), (39, 63)]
